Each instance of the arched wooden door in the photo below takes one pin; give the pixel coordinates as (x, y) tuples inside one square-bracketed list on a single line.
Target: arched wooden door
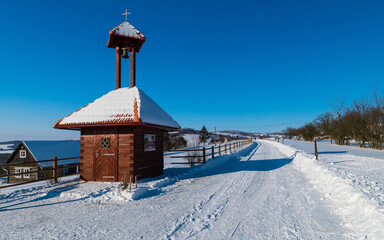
[(105, 164)]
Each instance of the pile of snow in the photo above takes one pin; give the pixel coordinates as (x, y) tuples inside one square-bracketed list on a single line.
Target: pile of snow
[(360, 213)]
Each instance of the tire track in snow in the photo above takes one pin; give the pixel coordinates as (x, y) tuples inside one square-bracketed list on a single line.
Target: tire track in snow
[(204, 214), (270, 207)]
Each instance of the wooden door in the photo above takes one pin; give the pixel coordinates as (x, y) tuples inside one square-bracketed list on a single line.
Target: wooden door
[(105, 168)]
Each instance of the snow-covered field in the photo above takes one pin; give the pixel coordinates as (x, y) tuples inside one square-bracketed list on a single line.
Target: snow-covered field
[(6, 148), (192, 139), (263, 191)]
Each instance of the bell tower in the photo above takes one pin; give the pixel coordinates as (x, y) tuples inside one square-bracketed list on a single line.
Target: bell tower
[(125, 38)]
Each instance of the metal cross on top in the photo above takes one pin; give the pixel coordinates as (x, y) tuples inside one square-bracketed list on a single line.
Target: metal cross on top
[(126, 14)]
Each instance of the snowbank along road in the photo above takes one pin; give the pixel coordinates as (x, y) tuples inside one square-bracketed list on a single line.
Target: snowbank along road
[(258, 193)]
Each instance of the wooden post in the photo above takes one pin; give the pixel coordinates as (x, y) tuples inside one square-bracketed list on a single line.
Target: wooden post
[(204, 155), (219, 150), (130, 184), (230, 147), (213, 152), (316, 154), (54, 170), (136, 181), (282, 140), (133, 67), (225, 148), (118, 68)]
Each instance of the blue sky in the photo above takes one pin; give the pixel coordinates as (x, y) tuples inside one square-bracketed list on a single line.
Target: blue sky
[(256, 66)]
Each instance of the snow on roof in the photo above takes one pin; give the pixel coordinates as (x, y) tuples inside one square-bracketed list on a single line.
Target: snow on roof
[(123, 105), (126, 29), (46, 150)]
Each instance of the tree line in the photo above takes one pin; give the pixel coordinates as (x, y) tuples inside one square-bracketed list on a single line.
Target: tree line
[(362, 121), (172, 141)]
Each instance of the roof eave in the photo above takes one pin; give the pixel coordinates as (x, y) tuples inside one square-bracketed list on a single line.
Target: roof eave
[(78, 127)]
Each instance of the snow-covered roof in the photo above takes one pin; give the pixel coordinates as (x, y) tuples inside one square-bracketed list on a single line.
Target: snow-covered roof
[(120, 106), (46, 150), (126, 29)]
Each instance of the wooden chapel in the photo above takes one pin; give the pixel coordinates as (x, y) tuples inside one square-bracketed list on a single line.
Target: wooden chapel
[(122, 131)]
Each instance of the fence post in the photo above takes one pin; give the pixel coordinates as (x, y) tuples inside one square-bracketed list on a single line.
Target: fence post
[(54, 170), (130, 184), (282, 140), (230, 147), (219, 150), (213, 152), (225, 148), (316, 148), (204, 155)]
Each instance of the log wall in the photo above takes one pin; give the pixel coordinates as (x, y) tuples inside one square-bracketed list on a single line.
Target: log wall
[(87, 154), (132, 160), (148, 163)]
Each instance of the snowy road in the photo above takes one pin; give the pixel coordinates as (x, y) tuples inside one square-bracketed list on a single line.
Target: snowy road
[(260, 195)]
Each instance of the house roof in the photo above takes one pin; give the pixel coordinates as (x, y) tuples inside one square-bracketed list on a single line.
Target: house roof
[(46, 150), (120, 107), (127, 30)]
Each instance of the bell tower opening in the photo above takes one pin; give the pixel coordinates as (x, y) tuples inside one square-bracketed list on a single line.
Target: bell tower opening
[(125, 38)]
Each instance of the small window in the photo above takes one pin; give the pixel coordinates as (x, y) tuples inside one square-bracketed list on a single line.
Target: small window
[(18, 170), (105, 143), (23, 153), (149, 142), (27, 173)]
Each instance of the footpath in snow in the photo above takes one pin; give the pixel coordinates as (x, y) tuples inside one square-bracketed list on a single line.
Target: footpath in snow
[(343, 179), (264, 191), (360, 167)]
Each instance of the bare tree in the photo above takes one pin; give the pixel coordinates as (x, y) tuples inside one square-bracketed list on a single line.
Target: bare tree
[(337, 106)]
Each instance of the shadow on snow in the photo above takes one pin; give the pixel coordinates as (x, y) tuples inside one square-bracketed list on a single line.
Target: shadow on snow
[(234, 164)]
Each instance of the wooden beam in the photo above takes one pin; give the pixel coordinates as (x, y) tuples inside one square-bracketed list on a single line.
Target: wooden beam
[(133, 67), (118, 68)]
